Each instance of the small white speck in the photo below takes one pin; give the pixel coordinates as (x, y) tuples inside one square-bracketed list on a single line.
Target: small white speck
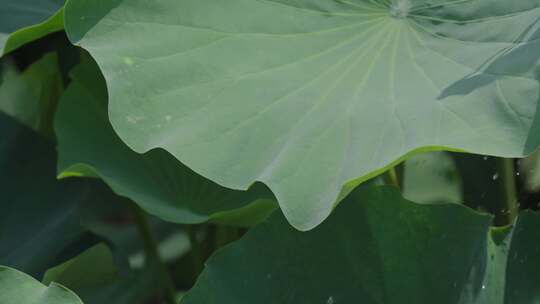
[(495, 176), (134, 119), (330, 300), (168, 118), (128, 61)]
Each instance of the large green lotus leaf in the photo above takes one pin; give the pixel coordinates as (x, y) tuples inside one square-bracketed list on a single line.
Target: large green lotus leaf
[(19, 288), (313, 97), (22, 21), (156, 181), (31, 96), (378, 248)]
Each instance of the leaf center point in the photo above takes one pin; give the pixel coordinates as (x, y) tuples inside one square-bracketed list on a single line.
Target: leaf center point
[(400, 8)]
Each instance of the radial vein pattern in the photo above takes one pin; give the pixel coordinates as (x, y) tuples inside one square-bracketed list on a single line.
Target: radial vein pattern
[(313, 97)]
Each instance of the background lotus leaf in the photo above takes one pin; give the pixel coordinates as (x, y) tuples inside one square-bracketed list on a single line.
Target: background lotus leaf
[(19, 288), (379, 248), (22, 21)]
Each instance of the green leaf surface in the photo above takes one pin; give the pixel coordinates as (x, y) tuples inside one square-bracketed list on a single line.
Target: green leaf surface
[(31, 96), (38, 214), (156, 181), (101, 282), (22, 21), (523, 266), (96, 263), (312, 97), (19, 288), (378, 248)]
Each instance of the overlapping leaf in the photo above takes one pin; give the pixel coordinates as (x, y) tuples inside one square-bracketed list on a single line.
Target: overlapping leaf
[(94, 277), (19, 288), (40, 220), (22, 21), (155, 180), (38, 214), (313, 97), (379, 248), (31, 96)]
